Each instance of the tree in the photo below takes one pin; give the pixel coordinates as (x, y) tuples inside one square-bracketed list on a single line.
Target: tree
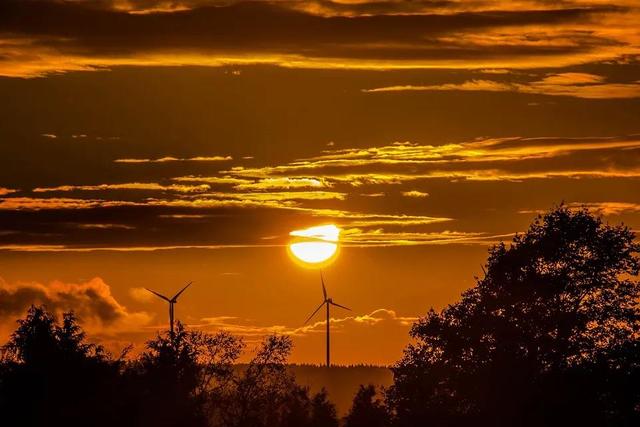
[(51, 376), (264, 394), (323, 412), (367, 410), (533, 342), (172, 380)]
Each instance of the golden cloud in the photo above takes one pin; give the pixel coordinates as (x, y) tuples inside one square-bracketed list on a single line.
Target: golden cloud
[(380, 237), (284, 183), (103, 226), (314, 34), (145, 186), (415, 193), (578, 85), (177, 159), (243, 328), (609, 208), (92, 301), (221, 180), (479, 160)]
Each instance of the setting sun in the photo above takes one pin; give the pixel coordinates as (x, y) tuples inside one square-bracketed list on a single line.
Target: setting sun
[(315, 245)]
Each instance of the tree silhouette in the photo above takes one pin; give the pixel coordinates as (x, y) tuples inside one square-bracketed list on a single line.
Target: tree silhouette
[(367, 410), (323, 412), (543, 339), (264, 394), (172, 379), (50, 375)]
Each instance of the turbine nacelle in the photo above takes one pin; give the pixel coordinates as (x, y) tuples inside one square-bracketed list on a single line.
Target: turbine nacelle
[(173, 300)]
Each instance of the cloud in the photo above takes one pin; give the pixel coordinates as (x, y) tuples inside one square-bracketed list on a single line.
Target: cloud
[(353, 333), (92, 301), (63, 36), (411, 153), (609, 208), (360, 219), (87, 249), (600, 208), (490, 159), (140, 294), (185, 216), (36, 203), (145, 186), (284, 183), (286, 196), (577, 85), (100, 226), (351, 237), (316, 189), (245, 328), (415, 193), (5, 191), (221, 180), (472, 85), (49, 135), (380, 237), (573, 79), (177, 159), (275, 200)]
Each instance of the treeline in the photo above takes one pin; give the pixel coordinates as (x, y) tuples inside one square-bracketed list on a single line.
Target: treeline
[(549, 336), (50, 375)]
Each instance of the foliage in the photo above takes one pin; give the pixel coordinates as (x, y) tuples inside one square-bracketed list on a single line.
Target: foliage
[(50, 375), (171, 380), (323, 412), (265, 394), (542, 339), (367, 410)]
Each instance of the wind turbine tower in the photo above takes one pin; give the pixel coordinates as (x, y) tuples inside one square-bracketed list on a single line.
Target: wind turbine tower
[(328, 302)]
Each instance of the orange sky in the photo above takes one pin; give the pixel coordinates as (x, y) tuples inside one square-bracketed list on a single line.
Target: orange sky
[(150, 143)]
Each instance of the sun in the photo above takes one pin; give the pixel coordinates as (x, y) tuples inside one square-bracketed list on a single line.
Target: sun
[(315, 246)]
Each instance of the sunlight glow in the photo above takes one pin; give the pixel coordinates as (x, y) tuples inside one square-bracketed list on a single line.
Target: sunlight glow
[(315, 245)]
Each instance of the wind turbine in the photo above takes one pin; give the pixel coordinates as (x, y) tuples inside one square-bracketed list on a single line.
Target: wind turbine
[(171, 302), (329, 302)]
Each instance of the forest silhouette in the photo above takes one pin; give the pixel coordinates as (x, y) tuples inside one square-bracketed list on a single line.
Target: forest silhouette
[(549, 336)]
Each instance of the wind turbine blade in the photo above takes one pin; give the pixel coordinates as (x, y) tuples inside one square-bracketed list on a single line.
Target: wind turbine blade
[(324, 290), (175, 297), (314, 313), (159, 295), (341, 306)]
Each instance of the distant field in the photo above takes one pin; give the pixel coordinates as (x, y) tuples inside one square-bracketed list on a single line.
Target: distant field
[(341, 382)]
